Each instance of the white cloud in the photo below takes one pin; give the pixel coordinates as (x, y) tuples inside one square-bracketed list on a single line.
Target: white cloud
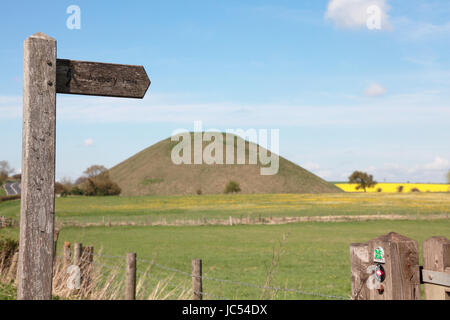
[(413, 30), (437, 164), (356, 13), (311, 166), (433, 171), (317, 170), (10, 107), (88, 142), (423, 61), (324, 174), (370, 169), (374, 90), (427, 30), (424, 108)]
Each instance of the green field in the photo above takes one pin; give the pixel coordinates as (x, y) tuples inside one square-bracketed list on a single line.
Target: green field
[(185, 209), (313, 257)]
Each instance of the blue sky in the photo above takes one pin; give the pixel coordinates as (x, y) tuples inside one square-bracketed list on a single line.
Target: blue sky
[(343, 96)]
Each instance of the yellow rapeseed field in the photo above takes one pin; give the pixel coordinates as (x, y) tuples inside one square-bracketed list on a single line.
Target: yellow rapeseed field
[(394, 187)]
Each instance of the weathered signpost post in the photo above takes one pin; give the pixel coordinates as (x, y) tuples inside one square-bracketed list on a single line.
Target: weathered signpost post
[(387, 268), (44, 76)]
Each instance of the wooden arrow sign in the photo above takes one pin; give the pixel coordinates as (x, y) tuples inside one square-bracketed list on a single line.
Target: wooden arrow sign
[(101, 79)]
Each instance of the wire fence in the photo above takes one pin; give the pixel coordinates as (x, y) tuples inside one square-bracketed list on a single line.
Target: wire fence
[(152, 275)]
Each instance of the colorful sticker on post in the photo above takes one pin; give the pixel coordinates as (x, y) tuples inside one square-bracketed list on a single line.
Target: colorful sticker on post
[(378, 255)]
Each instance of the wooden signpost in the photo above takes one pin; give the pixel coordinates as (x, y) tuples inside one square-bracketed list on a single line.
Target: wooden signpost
[(101, 79), (44, 76), (387, 268)]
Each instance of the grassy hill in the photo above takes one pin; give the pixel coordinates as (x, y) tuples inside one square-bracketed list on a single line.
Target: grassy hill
[(152, 172)]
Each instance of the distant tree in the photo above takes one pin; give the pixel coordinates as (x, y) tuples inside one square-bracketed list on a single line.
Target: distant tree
[(5, 171), (232, 187), (66, 181), (94, 171), (77, 191), (59, 188), (64, 187), (363, 180), (5, 168), (80, 180), (98, 183)]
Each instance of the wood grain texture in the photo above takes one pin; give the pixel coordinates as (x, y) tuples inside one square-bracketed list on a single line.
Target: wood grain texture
[(101, 79), (436, 257), (67, 255), (130, 277), (197, 286), (38, 169), (77, 252), (86, 269), (359, 261), (402, 268)]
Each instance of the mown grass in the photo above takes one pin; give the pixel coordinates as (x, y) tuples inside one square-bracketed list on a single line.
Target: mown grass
[(170, 208), (314, 258)]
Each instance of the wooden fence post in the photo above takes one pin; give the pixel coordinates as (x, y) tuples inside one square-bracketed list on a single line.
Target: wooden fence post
[(77, 249), (67, 255), (77, 259), (359, 262), (197, 287), (402, 273), (130, 274), (87, 259), (436, 257), (35, 266)]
